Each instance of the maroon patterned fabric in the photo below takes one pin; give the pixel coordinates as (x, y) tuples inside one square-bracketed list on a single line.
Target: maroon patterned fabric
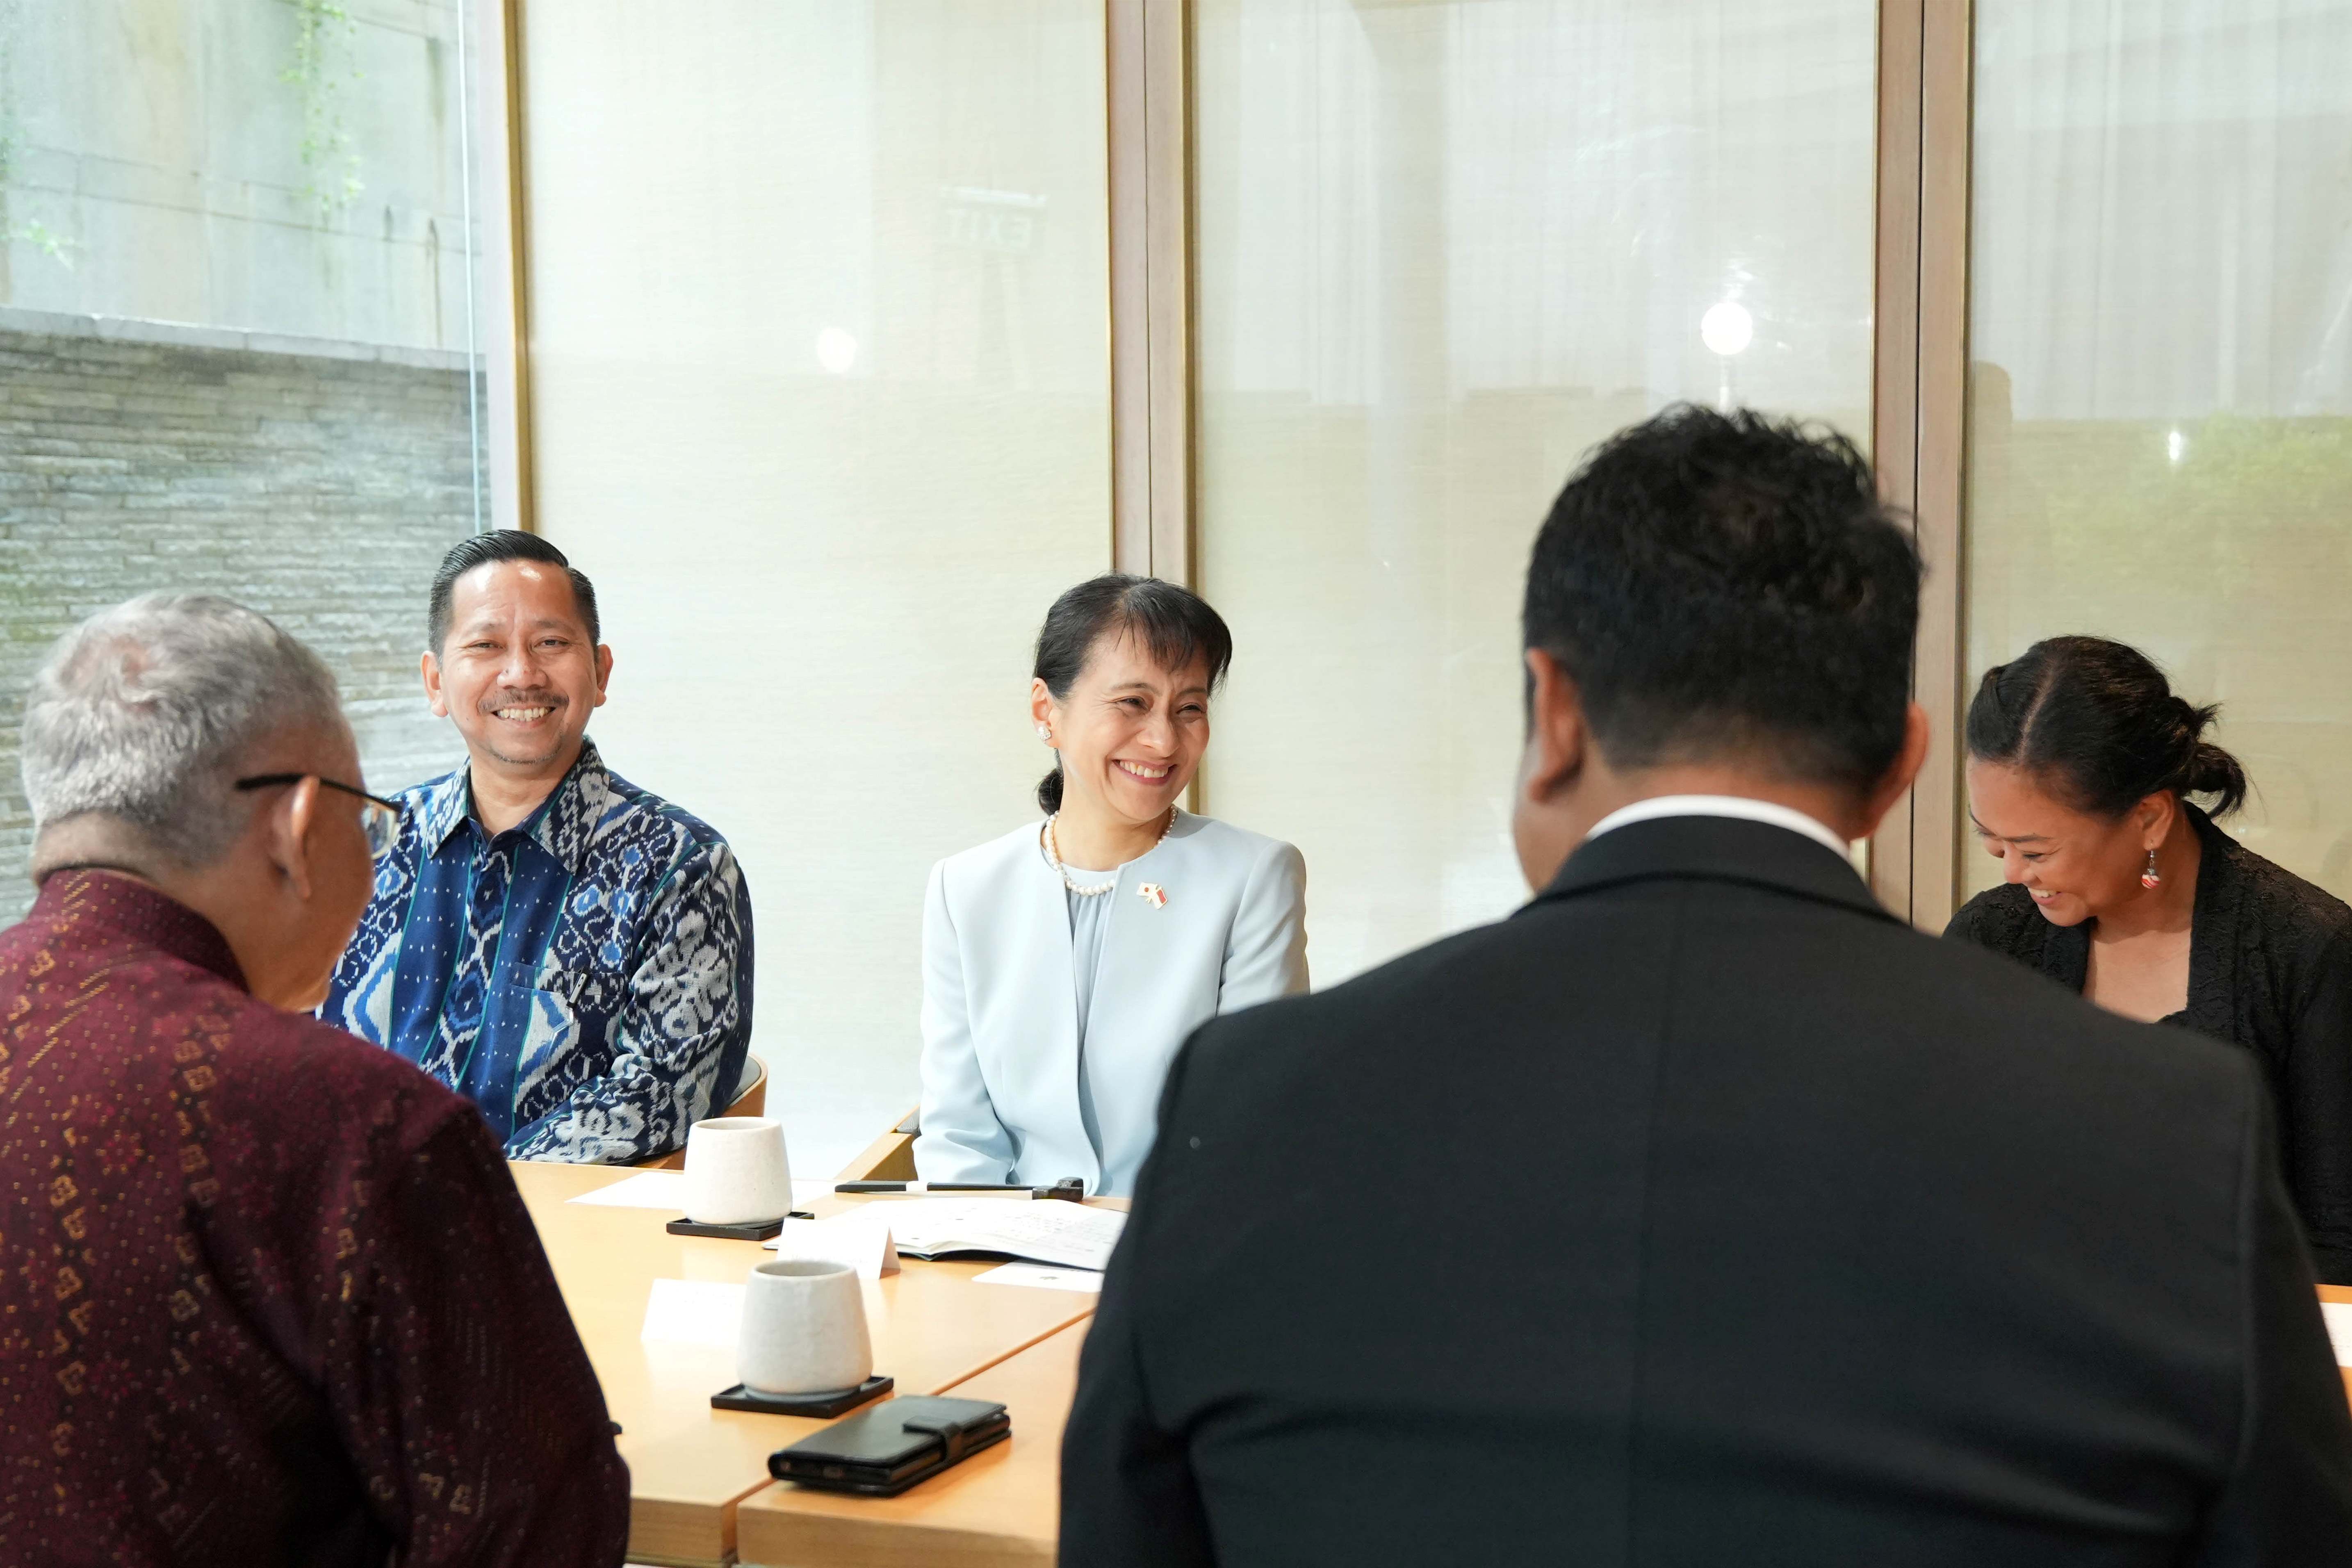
[(268, 1295)]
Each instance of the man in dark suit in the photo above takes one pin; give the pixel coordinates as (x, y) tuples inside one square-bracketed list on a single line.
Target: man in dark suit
[(1771, 1230)]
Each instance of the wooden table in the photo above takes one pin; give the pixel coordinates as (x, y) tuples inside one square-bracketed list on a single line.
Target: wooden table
[(2342, 1294), (1000, 1509), (699, 1492), (689, 1464)]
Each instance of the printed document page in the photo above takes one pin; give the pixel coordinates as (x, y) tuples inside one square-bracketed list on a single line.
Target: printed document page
[(1070, 1235)]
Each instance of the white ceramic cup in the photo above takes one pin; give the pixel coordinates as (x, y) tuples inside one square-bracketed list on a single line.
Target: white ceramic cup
[(803, 1329), (736, 1171)]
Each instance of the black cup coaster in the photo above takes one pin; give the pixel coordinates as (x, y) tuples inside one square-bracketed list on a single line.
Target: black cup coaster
[(750, 1230), (818, 1404)]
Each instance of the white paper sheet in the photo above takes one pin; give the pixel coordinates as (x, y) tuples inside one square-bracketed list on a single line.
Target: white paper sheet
[(646, 1190), (694, 1311), (1042, 1278), (2338, 1316), (666, 1190)]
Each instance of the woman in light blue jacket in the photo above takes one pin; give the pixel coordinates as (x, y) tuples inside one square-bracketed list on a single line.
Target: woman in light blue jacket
[(1065, 963)]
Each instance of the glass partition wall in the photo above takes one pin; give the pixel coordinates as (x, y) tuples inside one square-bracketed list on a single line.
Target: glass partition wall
[(240, 336), (820, 345), (1443, 248), (819, 293), (2160, 397)]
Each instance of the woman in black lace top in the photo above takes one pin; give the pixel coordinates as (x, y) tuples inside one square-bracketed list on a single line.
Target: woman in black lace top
[(2081, 761)]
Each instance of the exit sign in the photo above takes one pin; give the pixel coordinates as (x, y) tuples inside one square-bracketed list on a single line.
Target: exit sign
[(972, 218)]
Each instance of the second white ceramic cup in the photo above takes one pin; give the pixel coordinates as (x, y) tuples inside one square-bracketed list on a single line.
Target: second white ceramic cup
[(736, 1171), (803, 1329)]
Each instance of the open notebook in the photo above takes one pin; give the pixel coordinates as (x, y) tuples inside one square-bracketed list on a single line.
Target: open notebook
[(1068, 1235)]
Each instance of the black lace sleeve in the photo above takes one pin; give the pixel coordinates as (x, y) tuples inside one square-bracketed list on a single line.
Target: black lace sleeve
[(1997, 919), (2312, 1067)]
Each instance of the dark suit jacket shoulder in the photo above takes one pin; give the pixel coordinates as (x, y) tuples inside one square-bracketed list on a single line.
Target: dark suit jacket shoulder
[(1702, 1212)]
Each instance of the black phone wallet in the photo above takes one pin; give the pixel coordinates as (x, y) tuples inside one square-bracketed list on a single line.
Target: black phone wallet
[(884, 1449)]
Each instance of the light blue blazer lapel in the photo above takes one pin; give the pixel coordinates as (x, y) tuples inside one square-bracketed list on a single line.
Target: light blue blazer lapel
[(1040, 1063), (1159, 979)]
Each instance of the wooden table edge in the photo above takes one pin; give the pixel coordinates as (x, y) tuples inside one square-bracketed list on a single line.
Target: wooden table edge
[(850, 1543), (963, 1377)]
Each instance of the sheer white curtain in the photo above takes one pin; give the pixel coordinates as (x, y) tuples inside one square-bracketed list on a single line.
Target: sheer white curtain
[(2161, 419), (820, 305), (1445, 248), (2162, 196)]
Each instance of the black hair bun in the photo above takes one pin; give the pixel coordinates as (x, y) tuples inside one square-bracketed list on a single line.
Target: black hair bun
[(2098, 720)]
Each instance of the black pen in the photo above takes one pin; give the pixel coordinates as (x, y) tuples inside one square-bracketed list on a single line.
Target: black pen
[(1068, 1187)]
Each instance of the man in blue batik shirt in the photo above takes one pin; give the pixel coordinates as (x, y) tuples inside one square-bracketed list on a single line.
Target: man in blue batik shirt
[(567, 951)]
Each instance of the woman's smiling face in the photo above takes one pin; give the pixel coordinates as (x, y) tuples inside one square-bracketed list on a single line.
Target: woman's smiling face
[(1132, 733), (2076, 866)]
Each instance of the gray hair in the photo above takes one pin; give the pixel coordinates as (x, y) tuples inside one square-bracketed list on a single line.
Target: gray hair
[(143, 713)]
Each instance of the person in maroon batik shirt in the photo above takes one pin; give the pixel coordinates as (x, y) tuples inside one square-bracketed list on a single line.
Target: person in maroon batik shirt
[(267, 1294)]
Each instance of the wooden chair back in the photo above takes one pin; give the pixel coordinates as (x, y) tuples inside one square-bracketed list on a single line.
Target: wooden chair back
[(889, 1158)]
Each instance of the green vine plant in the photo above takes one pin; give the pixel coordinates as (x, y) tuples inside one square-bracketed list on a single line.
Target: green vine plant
[(324, 29), (47, 241), (32, 231)]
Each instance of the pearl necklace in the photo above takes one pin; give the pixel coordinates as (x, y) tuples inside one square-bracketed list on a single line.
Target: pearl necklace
[(1053, 857)]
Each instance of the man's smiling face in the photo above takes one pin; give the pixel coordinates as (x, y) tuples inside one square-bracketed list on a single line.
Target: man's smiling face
[(518, 672)]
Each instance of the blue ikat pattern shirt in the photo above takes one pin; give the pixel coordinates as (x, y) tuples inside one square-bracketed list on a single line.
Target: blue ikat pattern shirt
[(584, 978)]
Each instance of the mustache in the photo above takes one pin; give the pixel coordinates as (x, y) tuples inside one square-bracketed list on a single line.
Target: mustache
[(547, 699)]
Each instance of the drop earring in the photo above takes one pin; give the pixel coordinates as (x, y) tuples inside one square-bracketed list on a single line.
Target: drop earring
[(2151, 877)]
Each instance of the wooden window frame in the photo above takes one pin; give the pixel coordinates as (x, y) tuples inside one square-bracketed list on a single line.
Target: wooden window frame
[(1153, 386), (497, 88), (1918, 416)]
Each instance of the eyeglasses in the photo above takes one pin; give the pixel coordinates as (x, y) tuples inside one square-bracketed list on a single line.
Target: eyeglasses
[(379, 817)]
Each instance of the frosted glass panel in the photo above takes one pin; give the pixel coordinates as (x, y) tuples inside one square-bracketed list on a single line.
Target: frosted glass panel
[(1445, 248), (819, 308), (2160, 440)]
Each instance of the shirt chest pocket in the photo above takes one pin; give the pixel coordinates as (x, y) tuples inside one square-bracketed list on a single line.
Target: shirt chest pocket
[(587, 992)]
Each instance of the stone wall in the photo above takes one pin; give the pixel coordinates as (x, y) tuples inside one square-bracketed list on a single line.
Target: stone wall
[(317, 481)]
